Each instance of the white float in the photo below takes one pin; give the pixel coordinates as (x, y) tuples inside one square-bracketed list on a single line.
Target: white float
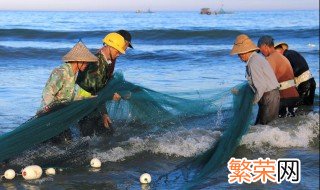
[(50, 171), (145, 178), (9, 174), (95, 163), (29, 174), (32, 172)]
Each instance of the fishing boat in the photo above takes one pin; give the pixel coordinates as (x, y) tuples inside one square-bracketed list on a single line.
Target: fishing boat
[(147, 11), (221, 11), (205, 11)]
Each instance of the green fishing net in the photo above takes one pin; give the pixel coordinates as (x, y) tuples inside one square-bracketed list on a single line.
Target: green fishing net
[(216, 157), (141, 106)]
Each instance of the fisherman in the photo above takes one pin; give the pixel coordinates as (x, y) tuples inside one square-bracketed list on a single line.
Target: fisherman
[(94, 78), (303, 78), (289, 96), (261, 79), (60, 87)]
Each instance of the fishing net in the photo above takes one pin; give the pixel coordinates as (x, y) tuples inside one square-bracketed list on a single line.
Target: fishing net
[(198, 170), (214, 158), (141, 106)]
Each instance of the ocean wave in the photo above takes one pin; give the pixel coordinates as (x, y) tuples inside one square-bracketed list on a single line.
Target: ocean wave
[(158, 35), (300, 131), (155, 34), (32, 53), (178, 143), (181, 143), (48, 35), (142, 52)]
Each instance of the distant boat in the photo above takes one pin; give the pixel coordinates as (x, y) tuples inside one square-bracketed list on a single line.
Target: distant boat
[(205, 11), (147, 11), (221, 11)]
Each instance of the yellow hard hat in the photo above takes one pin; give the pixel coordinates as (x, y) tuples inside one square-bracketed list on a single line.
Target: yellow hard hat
[(116, 41)]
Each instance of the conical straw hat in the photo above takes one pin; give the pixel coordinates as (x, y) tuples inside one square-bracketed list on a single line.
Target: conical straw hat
[(243, 44), (80, 53), (282, 44)]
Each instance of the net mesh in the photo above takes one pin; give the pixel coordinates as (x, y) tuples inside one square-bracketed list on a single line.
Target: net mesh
[(216, 157), (143, 106)]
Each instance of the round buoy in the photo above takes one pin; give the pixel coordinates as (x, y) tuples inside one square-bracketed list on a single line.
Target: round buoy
[(95, 163), (50, 171), (32, 172), (9, 174), (29, 174), (145, 178)]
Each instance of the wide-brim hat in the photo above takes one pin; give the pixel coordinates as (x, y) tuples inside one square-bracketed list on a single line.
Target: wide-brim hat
[(243, 44), (80, 53), (284, 45)]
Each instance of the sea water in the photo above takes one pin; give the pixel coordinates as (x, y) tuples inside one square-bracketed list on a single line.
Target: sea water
[(179, 53)]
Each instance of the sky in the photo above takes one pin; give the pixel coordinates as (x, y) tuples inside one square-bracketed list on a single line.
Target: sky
[(157, 5)]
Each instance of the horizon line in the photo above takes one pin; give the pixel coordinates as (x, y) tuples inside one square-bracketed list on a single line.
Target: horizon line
[(154, 11)]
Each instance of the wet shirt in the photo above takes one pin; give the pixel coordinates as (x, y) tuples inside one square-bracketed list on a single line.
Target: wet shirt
[(284, 72), (260, 76), (60, 86), (298, 63), (96, 76)]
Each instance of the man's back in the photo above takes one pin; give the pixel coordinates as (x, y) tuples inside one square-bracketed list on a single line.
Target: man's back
[(95, 77), (298, 63), (60, 86), (260, 73), (284, 72)]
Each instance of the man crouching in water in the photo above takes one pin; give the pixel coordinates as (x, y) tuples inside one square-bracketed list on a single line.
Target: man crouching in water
[(60, 87), (96, 77)]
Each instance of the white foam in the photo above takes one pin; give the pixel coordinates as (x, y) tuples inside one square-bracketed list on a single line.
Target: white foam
[(182, 142), (298, 133), (311, 45), (185, 143)]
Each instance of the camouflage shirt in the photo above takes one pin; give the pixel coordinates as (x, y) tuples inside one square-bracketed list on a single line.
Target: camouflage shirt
[(59, 87), (96, 76)]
